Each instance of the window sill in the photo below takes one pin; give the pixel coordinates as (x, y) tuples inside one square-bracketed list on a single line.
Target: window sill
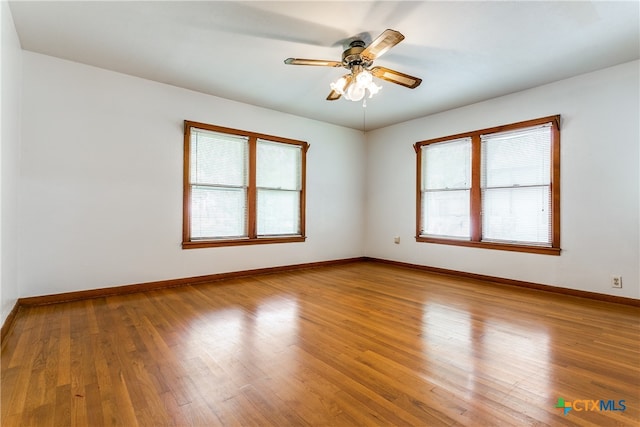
[(196, 244), (543, 250)]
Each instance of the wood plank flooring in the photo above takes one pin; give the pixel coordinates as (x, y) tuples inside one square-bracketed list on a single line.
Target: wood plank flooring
[(360, 344)]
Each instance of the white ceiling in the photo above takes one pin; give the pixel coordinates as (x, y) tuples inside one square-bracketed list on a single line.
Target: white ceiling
[(465, 52)]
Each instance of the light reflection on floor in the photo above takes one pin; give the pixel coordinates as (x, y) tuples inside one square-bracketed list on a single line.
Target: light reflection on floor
[(486, 352), (248, 343)]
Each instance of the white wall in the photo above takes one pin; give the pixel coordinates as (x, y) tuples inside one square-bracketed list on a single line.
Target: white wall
[(10, 72), (101, 181), (102, 166), (600, 191)]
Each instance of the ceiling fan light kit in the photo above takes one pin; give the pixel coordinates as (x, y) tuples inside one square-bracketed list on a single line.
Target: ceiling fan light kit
[(358, 59), (355, 91)]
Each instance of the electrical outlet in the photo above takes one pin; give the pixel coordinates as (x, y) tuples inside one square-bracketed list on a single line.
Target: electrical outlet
[(616, 281)]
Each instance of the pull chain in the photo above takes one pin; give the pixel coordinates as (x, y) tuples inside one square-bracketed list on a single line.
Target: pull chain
[(364, 115)]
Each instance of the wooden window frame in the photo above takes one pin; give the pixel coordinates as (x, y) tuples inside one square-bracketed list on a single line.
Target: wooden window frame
[(476, 193), (252, 238)]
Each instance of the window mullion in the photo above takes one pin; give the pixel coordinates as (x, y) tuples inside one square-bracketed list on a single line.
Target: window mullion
[(476, 191), (251, 191), (186, 186), (303, 185), (419, 226)]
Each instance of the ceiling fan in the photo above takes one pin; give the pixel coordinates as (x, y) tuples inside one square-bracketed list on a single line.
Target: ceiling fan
[(358, 59)]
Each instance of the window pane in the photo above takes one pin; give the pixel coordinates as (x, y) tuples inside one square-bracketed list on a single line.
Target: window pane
[(218, 159), (517, 158), (446, 213), (278, 212), (279, 165), (218, 212), (520, 215), (447, 165)]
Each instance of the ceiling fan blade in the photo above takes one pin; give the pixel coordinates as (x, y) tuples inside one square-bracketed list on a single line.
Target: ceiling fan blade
[(333, 95), (396, 77), (316, 62), (384, 42)]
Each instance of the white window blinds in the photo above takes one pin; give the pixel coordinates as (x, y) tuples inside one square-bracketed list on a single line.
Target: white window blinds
[(446, 186), (218, 180), (279, 185), (516, 186)]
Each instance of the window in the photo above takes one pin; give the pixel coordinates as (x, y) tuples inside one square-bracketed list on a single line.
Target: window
[(496, 188), (241, 187)]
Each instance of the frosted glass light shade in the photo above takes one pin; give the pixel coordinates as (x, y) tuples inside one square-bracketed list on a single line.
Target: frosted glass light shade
[(362, 83)]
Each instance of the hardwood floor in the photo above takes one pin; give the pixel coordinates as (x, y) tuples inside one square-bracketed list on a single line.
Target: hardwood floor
[(356, 344)]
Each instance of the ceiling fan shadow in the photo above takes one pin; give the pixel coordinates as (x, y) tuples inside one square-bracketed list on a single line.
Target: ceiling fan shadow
[(245, 19), (420, 56), (391, 13)]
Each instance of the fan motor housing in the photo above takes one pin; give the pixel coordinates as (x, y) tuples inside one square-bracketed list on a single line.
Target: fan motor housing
[(352, 56)]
